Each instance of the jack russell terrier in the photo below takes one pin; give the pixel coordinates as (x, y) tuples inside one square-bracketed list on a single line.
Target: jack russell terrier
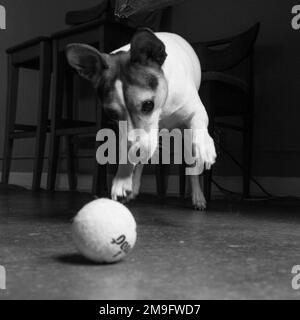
[(151, 83)]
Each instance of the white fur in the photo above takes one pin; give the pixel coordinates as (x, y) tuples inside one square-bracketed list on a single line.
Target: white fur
[(183, 108)]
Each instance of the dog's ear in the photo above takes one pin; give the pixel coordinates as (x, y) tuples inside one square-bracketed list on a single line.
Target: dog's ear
[(87, 60), (147, 48)]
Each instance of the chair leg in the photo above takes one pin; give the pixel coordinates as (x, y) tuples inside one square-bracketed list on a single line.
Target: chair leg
[(99, 187), (11, 108), (100, 171), (182, 173), (247, 155), (161, 174), (43, 110), (70, 152), (207, 177), (56, 112), (207, 94), (71, 166), (182, 180)]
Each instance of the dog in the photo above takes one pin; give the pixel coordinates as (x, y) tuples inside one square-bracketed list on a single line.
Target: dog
[(151, 83)]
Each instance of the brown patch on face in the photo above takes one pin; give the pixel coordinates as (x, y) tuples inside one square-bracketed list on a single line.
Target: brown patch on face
[(143, 77), (125, 85)]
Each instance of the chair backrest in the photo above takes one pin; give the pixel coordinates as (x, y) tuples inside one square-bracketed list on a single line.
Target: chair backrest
[(166, 20), (225, 54)]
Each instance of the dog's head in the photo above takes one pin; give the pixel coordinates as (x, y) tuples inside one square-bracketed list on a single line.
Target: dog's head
[(130, 85)]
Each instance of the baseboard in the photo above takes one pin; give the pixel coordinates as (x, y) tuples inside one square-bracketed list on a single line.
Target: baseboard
[(279, 186)]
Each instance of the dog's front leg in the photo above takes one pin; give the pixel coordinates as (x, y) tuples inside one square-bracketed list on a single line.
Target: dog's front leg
[(203, 149), (122, 183), (203, 144)]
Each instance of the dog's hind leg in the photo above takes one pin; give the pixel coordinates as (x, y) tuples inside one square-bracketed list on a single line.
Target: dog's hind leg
[(198, 198)]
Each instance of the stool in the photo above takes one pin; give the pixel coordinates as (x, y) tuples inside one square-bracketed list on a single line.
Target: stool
[(106, 37), (35, 54)]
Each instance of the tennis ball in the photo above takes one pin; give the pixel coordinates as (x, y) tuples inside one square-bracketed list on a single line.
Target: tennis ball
[(104, 231)]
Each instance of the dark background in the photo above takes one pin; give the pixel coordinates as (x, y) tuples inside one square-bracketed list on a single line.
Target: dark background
[(277, 64)]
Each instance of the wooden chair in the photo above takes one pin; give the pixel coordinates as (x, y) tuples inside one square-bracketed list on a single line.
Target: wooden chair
[(35, 54), (227, 90), (106, 35), (101, 35)]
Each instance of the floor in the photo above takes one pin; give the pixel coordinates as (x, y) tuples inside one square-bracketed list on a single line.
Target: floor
[(236, 250)]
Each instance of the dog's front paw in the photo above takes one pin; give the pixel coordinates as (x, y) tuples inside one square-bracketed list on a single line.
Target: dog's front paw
[(121, 189), (204, 149), (198, 200)]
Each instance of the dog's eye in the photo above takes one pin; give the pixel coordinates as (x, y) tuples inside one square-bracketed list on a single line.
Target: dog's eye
[(147, 106)]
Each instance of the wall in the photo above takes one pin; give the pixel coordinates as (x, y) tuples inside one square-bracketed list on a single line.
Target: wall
[(277, 64), (27, 19)]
